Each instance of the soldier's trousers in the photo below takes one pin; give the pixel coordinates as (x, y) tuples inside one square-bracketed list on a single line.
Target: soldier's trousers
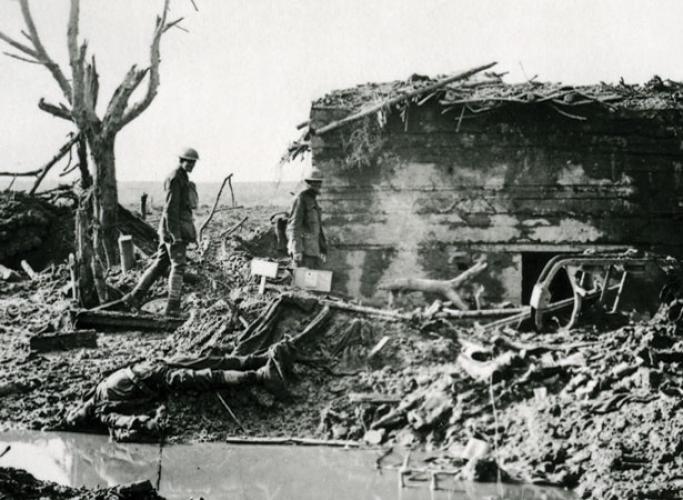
[(172, 254), (310, 262), (213, 371)]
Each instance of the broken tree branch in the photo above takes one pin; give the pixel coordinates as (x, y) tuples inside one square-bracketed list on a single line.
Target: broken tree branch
[(30, 173), (23, 59), (234, 228), (480, 313), (445, 288), (215, 206), (60, 111), (372, 311), (119, 101), (174, 23), (41, 54), (400, 98), (60, 154), (155, 60), (19, 46)]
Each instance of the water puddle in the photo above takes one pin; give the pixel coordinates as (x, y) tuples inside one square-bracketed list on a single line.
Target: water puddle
[(219, 470)]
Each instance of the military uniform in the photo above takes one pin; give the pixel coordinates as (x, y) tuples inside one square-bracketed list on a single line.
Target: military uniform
[(124, 401), (176, 230), (305, 230)]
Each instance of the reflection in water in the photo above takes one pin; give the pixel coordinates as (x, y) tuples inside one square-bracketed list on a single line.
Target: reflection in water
[(79, 459), (218, 470)]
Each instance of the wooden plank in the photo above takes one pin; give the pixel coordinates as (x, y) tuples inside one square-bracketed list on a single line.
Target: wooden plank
[(373, 397), (291, 441), (480, 313), (144, 236), (121, 321), (63, 341)]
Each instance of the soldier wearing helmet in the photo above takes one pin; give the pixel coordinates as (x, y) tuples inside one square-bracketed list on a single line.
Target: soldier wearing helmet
[(306, 239), (176, 231)]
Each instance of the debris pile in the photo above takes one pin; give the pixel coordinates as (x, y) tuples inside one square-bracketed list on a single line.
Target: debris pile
[(482, 93), (35, 229), (18, 484), (595, 409)]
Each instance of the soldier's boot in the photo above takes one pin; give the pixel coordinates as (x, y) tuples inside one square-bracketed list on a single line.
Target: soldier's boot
[(270, 376), (172, 307), (134, 299)]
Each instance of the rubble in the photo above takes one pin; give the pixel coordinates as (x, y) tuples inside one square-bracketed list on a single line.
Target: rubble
[(593, 409), (20, 485), (37, 229)]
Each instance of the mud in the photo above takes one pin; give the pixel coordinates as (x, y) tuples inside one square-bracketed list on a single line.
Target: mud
[(17, 484), (220, 470), (595, 410), (38, 230)]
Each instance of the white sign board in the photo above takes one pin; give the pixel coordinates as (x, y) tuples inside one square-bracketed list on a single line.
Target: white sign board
[(313, 279), (260, 267)]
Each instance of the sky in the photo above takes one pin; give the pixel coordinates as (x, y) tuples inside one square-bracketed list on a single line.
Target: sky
[(237, 84)]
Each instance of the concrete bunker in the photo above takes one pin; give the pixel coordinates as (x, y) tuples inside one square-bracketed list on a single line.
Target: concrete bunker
[(517, 172)]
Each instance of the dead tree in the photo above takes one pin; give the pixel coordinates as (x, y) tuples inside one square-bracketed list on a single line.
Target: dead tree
[(446, 288), (81, 92)]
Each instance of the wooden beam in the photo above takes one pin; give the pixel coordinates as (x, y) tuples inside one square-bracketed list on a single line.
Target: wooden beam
[(144, 236), (371, 311), (291, 441), (480, 313), (120, 321), (63, 341)]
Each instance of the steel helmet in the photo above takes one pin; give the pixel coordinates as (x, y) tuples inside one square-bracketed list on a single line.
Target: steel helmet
[(314, 176), (189, 154)]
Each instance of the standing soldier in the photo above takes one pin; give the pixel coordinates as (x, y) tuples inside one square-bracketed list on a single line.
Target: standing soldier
[(176, 230), (307, 245)]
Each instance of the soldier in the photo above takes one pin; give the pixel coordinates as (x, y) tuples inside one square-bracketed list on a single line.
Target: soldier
[(307, 245), (176, 231), (124, 402)]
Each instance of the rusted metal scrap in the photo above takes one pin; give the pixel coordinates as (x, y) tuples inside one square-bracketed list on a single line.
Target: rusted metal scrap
[(590, 276)]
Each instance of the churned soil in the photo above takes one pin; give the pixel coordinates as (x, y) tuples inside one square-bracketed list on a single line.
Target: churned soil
[(596, 410)]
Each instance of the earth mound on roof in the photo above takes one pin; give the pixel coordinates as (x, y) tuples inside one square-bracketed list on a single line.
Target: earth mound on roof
[(490, 90)]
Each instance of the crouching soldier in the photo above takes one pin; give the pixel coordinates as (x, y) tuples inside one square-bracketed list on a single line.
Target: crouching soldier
[(124, 402)]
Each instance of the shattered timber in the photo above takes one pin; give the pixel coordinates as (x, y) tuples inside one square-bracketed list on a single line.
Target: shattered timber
[(506, 293)]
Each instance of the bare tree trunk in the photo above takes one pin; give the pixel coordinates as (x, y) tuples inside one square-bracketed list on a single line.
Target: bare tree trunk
[(88, 294), (86, 178), (106, 198)]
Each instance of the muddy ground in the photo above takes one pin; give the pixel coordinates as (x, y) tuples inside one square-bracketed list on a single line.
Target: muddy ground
[(597, 410), (16, 484)]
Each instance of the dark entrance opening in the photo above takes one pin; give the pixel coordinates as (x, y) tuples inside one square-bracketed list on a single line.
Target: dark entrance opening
[(532, 265)]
